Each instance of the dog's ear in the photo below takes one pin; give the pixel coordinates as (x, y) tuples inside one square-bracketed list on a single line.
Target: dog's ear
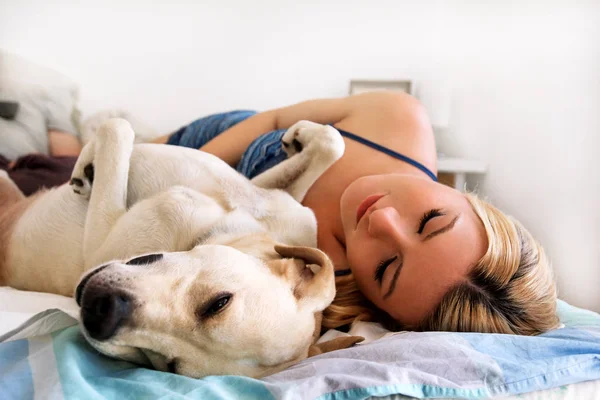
[(311, 272), (338, 343)]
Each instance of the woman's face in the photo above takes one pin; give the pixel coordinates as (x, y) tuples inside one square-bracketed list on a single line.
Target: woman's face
[(408, 240)]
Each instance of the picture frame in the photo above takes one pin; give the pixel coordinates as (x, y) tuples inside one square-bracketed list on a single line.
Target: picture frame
[(361, 86)]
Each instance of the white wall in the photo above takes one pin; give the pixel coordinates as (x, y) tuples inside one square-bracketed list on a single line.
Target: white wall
[(525, 78)]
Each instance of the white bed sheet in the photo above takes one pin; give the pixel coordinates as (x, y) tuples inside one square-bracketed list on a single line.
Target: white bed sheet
[(577, 391), (17, 306)]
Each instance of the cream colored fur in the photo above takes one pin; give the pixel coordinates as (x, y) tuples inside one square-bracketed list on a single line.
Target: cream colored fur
[(219, 236)]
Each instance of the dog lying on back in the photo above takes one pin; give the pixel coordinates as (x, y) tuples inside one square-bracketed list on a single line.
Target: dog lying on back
[(175, 259)]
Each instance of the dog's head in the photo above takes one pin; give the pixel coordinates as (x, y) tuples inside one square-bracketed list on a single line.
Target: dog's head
[(210, 310)]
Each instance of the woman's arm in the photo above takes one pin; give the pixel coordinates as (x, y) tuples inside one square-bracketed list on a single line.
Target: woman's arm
[(63, 144), (231, 144), (371, 111)]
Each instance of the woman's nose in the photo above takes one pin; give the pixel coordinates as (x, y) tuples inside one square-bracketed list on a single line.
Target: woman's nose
[(385, 224)]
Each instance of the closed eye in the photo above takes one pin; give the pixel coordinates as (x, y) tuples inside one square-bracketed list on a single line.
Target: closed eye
[(428, 216), (381, 268)]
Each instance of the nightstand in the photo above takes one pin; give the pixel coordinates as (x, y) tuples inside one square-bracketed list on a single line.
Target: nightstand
[(453, 171)]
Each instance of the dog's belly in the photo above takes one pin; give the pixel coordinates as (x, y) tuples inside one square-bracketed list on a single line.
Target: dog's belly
[(155, 168), (45, 250)]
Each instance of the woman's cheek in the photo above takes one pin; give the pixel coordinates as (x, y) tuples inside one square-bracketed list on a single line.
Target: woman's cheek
[(359, 267)]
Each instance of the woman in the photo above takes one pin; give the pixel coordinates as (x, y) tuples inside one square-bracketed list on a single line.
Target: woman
[(409, 252), (34, 171)]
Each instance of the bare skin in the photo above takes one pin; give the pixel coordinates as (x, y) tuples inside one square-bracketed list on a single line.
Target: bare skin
[(400, 123), (60, 144), (396, 121), (63, 144)]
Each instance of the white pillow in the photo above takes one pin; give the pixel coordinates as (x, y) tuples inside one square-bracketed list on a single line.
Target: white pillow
[(27, 132), (19, 73)]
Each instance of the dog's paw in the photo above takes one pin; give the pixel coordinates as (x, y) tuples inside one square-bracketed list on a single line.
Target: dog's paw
[(321, 139), (82, 176), (116, 130), (299, 135), (4, 175), (82, 180)]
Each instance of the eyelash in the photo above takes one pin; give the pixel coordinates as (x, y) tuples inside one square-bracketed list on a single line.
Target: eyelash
[(436, 212), (382, 267), (380, 270)]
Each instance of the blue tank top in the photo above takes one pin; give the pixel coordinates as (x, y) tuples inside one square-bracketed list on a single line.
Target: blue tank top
[(265, 151)]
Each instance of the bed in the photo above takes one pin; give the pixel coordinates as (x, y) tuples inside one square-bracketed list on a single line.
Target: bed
[(43, 356)]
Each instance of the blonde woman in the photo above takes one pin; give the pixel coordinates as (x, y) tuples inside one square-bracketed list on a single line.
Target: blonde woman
[(409, 252)]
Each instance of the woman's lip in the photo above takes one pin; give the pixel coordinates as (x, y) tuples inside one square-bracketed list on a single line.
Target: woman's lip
[(366, 203)]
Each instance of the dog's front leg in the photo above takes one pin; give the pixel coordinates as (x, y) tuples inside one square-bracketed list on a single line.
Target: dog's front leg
[(311, 149), (108, 171)]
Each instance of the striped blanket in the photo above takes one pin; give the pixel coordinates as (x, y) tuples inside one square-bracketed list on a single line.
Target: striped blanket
[(47, 358)]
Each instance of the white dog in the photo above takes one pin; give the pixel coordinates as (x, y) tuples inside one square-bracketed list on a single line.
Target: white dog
[(220, 274)]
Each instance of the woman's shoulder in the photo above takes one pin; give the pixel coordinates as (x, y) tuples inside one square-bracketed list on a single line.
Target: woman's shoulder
[(397, 121), (392, 105)]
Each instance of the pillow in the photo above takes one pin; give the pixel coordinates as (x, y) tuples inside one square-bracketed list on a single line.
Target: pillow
[(39, 110), (47, 100)]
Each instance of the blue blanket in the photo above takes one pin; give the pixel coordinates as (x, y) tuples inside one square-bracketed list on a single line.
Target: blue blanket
[(425, 365)]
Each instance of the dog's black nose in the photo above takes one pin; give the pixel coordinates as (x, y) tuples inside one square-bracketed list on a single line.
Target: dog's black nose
[(103, 311)]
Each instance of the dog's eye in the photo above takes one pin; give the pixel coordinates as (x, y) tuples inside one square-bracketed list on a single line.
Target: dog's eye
[(215, 305), (145, 260)]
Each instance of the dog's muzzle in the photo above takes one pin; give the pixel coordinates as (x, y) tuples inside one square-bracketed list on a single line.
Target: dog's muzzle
[(103, 309), (84, 281)]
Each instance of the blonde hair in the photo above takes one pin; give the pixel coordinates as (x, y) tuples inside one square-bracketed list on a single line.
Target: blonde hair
[(509, 290)]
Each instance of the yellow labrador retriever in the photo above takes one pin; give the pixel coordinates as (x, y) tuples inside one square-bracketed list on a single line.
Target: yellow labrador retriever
[(187, 265)]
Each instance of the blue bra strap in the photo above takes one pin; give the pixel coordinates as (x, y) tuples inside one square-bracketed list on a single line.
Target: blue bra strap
[(342, 272), (387, 151)]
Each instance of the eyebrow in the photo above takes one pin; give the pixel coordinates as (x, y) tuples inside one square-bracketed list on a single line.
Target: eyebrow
[(442, 230), (428, 237), (393, 284)]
